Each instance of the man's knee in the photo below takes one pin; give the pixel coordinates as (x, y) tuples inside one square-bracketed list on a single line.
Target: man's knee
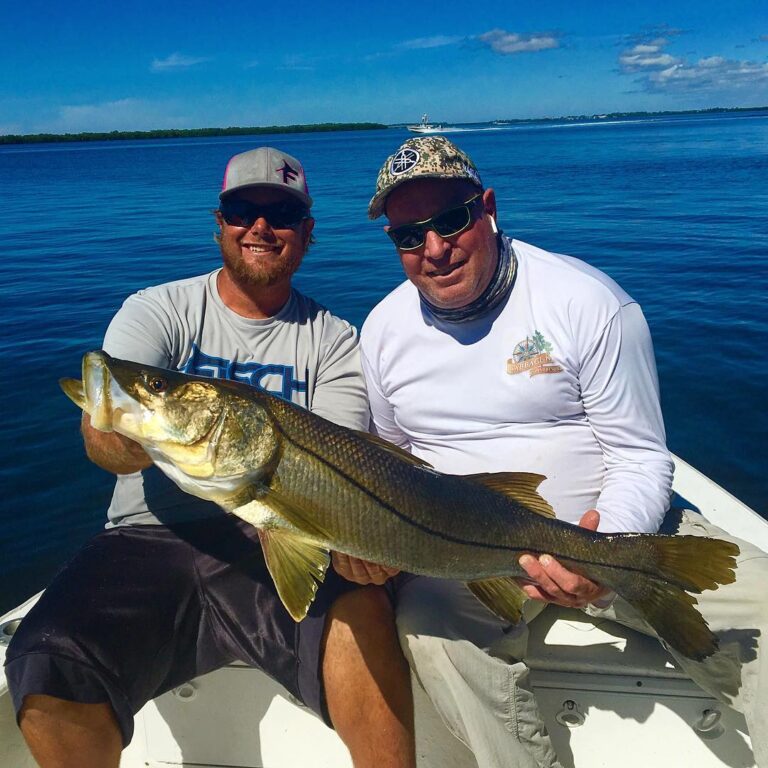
[(60, 732), (361, 624), (362, 606), (40, 710), (436, 611)]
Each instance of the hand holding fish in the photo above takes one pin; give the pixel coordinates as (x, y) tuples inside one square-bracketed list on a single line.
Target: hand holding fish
[(556, 584), (112, 451), (361, 571)]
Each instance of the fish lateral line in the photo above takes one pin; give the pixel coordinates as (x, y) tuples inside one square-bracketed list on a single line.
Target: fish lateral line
[(439, 534)]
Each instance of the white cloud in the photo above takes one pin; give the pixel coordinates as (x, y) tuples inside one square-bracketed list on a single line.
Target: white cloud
[(647, 56), (661, 71), (507, 43), (176, 61), (712, 73), (436, 41)]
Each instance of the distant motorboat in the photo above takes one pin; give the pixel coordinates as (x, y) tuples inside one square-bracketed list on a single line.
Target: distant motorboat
[(425, 126)]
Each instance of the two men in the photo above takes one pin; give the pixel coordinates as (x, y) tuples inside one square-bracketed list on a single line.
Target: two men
[(493, 356), (497, 356), (174, 587)]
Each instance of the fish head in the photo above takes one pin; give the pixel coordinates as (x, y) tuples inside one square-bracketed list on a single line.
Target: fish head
[(145, 403), (192, 427)]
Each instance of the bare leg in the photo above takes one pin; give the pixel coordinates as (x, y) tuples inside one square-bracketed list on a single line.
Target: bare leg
[(367, 681), (65, 734)]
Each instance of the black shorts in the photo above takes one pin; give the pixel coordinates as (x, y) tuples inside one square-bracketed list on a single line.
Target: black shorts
[(142, 609)]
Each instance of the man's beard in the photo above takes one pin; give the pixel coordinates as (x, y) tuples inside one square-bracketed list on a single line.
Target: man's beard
[(261, 276)]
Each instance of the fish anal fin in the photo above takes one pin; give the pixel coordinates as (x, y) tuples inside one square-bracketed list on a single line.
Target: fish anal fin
[(297, 566), (518, 486), (501, 595), (396, 450)]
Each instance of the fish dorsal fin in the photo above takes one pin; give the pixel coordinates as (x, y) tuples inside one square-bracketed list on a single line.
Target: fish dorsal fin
[(502, 596), (519, 486), (396, 450), (297, 566)]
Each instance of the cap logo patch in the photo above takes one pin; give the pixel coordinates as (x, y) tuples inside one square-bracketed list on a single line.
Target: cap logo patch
[(473, 173), (289, 174), (405, 160)]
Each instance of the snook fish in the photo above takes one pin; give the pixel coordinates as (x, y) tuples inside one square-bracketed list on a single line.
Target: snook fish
[(312, 486)]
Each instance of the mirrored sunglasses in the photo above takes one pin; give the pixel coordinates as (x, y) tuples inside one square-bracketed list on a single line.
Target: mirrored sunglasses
[(447, 223), (285, 214)]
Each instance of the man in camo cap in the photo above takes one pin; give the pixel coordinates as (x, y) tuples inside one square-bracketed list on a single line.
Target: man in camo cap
[(424, 157), (497, 356)]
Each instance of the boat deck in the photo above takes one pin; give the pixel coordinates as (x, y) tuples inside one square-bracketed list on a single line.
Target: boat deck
[(609, 696)]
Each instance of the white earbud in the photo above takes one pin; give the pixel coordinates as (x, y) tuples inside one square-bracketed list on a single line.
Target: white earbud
[(494, 227)]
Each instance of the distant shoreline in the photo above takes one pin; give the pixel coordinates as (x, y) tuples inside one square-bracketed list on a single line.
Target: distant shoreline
[(184, 133), (617, 115), (606, 116)]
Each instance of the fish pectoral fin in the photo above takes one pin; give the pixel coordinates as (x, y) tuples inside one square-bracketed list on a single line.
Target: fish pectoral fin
[(501, 595), (296, 516), (519, 486), (396, 450), (297, 566), (73, 389)]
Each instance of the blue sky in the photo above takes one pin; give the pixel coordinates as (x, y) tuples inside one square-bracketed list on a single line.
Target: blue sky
[(78, 66)]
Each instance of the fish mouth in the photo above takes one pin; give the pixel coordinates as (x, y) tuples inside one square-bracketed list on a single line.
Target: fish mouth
[(100, 395), (96, 388)]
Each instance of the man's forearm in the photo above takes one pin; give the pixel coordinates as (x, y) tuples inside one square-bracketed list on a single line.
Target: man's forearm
[(111, 451)]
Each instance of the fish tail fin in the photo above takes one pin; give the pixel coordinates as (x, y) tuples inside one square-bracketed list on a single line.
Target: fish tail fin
[(694, 563), (658, 589)]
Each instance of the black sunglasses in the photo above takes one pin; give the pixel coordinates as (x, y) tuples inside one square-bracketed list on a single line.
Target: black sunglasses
[(285, 214), (447, 223)]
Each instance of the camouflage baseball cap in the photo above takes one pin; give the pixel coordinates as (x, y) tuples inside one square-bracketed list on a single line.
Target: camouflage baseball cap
[(422, 157)]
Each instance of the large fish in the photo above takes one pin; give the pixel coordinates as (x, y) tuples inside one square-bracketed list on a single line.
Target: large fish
[(312, 486)]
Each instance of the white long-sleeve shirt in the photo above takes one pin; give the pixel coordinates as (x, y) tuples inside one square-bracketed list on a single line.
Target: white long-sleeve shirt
[(560, 380)]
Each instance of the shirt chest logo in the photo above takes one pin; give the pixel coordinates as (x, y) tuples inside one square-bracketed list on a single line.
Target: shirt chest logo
[(532, 355)]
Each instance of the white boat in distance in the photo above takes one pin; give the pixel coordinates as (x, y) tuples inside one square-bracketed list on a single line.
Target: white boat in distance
[(425, 126), (609, 696)]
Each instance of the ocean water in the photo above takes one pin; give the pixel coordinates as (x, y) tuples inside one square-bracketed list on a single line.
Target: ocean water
[(674, 209)]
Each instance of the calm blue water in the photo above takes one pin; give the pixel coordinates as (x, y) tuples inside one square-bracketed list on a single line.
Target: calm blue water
[(675, 209)]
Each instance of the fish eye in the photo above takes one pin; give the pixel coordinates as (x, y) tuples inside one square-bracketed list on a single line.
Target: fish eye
[(157, 384)]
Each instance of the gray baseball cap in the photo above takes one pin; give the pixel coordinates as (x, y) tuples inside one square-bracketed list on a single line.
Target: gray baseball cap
[(266, 167), (422, 157)]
